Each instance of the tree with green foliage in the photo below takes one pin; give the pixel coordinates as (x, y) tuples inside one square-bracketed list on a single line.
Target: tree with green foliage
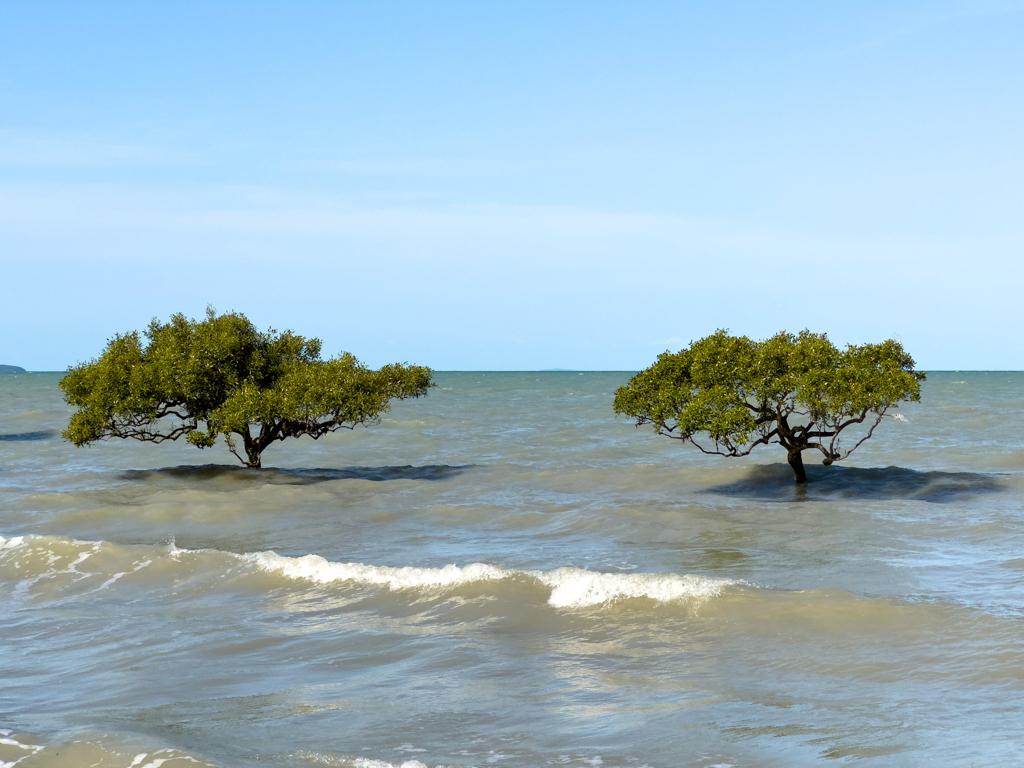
[(221, 376), (727, 394)]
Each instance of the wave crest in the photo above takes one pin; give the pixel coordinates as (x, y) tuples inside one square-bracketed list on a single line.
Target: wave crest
[(55, 564), (577, 588), (11, 543), (321, 571), (570, 587)]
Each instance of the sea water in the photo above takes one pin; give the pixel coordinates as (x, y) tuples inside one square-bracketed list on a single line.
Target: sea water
[(504, 573)]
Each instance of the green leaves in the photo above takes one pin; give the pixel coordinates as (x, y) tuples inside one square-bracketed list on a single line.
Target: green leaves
[(800, 391), (221, 376)]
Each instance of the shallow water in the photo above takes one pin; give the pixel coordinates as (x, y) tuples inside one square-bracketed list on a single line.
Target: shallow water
[(505, 574)]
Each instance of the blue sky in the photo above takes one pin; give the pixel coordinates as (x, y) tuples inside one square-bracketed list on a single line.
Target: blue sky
[(515, 186)]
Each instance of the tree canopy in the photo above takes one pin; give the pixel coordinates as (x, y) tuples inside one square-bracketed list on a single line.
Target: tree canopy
[(221, 376), (728, 394)]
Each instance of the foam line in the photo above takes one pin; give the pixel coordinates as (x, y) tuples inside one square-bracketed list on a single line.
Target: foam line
[(577, 588), (17, 541), (570, 587), (316, 569)]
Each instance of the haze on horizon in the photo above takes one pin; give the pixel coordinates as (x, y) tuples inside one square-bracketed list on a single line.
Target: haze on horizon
[(515, 186)]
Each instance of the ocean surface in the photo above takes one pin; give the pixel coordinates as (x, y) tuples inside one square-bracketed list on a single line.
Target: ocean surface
[(506, 574)]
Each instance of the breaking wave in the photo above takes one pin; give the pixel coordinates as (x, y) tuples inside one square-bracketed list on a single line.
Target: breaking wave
[(31, 559), (570, 587)]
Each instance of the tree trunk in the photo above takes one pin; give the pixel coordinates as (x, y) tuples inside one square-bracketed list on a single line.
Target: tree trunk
[(796, 461), (253, 452)]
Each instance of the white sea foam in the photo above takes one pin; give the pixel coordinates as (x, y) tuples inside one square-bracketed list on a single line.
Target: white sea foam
[(7, 741), (570, 587), (316, 569), (578, 588), (74, 753), (156, 762), (347, 761), (11, 543)]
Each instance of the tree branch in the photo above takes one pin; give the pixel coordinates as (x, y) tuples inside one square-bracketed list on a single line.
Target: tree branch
[(837, 457), (231, 446), (733, 452)]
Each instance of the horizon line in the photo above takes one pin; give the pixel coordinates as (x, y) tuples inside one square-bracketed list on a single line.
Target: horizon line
[(607, 370)]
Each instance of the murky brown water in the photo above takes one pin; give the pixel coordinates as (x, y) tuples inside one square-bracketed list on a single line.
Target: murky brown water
[(505, 574)]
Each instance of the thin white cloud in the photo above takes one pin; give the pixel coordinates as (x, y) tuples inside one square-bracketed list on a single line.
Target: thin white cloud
[(93, 212), (592, 287)]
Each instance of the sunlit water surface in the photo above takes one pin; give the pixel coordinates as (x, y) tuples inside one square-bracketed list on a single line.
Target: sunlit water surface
[(505, 574)]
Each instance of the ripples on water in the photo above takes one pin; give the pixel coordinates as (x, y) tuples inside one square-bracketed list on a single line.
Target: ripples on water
[(505, 574)]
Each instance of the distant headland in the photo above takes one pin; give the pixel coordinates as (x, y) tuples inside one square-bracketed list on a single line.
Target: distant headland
[(11, 369)]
